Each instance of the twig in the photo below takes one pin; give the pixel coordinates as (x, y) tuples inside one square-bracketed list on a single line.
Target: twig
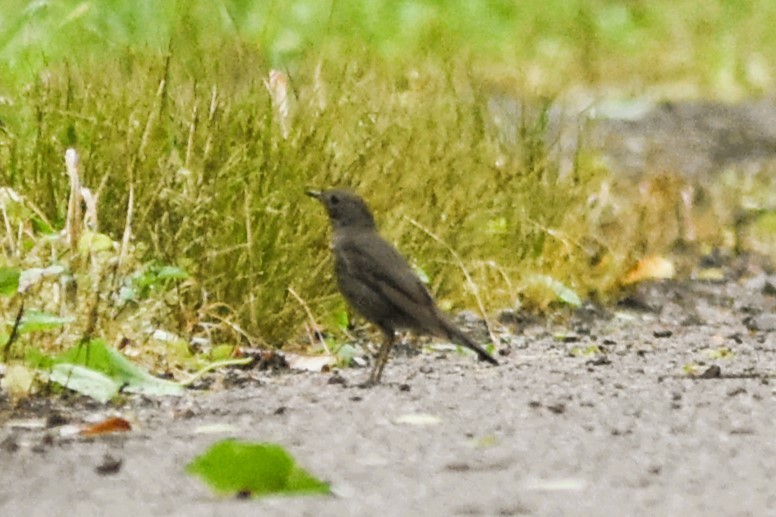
[(316, 328), (472, 286), (14, 330)]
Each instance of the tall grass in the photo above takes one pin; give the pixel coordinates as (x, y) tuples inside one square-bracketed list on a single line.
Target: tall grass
[(218, 187), (170, 113)]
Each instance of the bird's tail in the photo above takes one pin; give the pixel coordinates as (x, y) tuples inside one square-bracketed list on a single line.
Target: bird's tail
[(455, 334)]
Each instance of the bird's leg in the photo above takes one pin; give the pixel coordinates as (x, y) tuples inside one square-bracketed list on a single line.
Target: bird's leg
[(382, 358)]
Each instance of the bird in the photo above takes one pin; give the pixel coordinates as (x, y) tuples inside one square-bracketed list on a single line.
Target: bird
[(378, 283)]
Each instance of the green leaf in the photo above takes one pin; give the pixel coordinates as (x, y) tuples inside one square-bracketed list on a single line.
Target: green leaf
[(95, 242), (36, 321), (127, 294), (562, 292), (34, 358), (35, 275), (231, 467), (171, 273), (221, 352), (151, 277), (85, 381), (9, 280), (41, 226), (98, 356), (345, 355)]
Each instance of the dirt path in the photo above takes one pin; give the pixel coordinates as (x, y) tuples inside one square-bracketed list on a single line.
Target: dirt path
[(551, 432)]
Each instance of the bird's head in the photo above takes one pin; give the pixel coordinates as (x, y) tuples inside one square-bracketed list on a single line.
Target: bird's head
[(345, 209)]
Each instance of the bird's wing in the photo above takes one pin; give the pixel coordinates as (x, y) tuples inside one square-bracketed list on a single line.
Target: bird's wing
[(375, 262)]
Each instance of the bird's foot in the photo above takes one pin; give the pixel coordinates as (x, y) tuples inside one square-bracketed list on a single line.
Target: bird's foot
[(368, 384)]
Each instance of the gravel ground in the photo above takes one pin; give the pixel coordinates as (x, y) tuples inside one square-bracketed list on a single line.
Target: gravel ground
[(592, 415), (555, 430)]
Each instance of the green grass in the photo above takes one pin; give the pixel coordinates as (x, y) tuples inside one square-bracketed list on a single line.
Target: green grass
[(218, 190), (721, 48)]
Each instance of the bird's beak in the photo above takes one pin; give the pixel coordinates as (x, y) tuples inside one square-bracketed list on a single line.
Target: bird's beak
[(314, 193)]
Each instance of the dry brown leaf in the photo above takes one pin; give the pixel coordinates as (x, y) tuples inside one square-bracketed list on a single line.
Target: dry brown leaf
[(109, 425)]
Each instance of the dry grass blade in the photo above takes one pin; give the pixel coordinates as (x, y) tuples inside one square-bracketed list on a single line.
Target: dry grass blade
[(472, 285), (316, 328)]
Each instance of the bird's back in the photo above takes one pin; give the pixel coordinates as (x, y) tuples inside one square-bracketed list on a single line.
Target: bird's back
[(379, 283)]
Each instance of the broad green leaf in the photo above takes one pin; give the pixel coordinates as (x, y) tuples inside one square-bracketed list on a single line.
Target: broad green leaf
[(34, 358), (149, 278), (231, 467), (221, 352), (34, 275), (85, 381), (9, 280), (97, 355), (35, 321)]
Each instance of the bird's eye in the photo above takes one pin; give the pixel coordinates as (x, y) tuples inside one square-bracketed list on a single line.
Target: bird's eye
[(334, 200)]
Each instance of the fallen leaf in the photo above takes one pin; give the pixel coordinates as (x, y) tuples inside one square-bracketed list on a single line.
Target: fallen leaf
[(109, 425), (654, 267), (310, 363), (233, 467)]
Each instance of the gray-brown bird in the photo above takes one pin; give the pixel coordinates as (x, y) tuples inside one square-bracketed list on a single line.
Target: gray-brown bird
[(378, 283)]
